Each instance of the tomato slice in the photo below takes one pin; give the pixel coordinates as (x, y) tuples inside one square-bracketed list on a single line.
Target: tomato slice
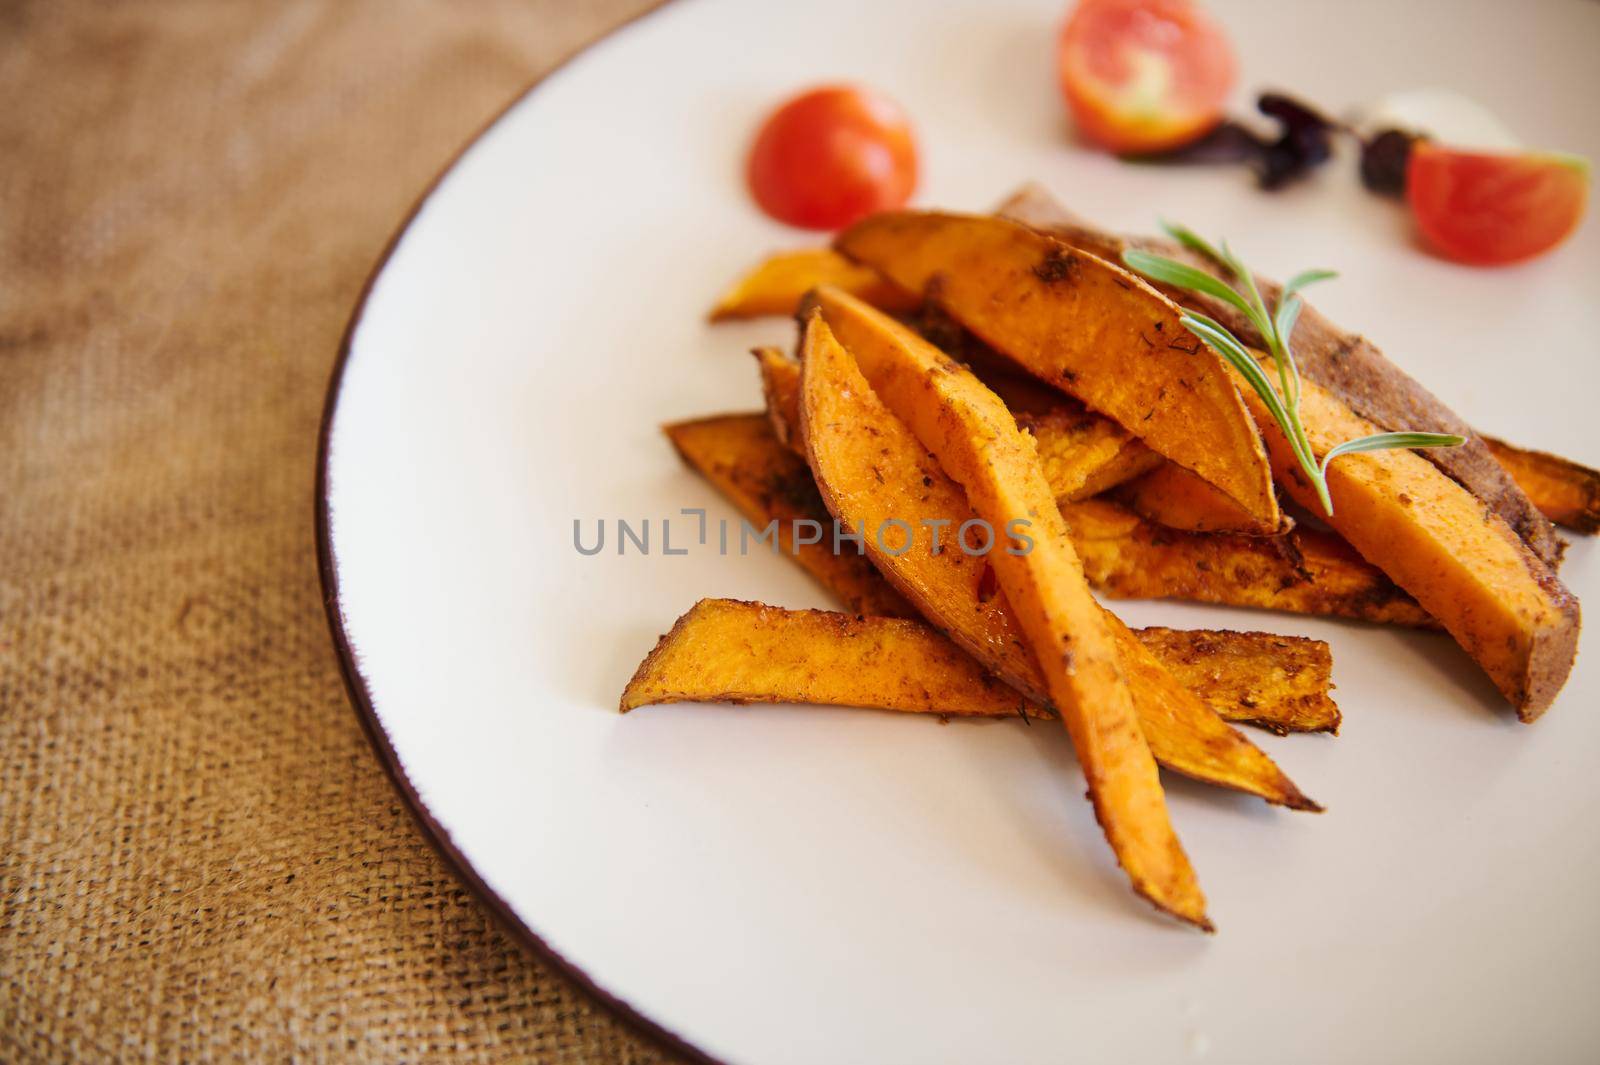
[(1489, 208), (1144, 76), (832, 156)]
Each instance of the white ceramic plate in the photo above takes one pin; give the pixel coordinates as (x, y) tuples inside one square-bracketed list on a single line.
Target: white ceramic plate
[(801, 885)]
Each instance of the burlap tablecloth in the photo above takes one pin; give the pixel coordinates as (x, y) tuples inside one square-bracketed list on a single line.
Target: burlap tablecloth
[(200, 855)]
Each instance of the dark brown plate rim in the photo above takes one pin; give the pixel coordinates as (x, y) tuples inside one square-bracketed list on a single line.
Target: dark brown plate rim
[(355, 682)]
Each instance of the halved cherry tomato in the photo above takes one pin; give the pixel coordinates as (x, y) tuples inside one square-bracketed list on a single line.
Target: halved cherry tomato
[(832, 156), (1489, 208), (1144, 75)]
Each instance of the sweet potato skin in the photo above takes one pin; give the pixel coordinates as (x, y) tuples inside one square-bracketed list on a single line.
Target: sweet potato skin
[(1086, 326), (1348, 365), (1460, 560), (1564, 491), (738, 454), (774, 285), (726, 650)]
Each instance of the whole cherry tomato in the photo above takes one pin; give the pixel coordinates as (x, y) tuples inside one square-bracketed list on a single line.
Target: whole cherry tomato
[(1144, 76), (832, 156), (1490, 208)]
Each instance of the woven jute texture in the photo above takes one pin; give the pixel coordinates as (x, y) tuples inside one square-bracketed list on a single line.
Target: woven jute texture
[(200, 855)]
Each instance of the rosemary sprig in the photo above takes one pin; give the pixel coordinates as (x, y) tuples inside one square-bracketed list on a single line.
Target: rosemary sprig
[(1274, 328)]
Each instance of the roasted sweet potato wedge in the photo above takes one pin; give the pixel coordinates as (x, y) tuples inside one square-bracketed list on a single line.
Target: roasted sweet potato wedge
[(1303, 572), (1436, 540), (1565, 492), (1085, 325), (780, 389), (738, 454), (774, 285), (724, 650), (1279, 683), (1348, 365), (1172, 496)]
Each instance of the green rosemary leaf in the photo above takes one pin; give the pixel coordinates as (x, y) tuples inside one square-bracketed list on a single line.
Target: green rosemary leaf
[(1192, 240), (1240, 271), (1301, 280), (1391, 442), (1184, 276), (1289, 308), (1225, 344), (1216, 335), (1262, 318)]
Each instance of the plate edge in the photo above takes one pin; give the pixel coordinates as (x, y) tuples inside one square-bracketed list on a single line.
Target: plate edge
[(437, 836)]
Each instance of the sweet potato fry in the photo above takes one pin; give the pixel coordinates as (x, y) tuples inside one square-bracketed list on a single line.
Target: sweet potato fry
[(1348, 365), (724, 650), (774, 285), (765, 481), (1565, 492), (1460, 560), (1172, 496), (1304, 572), (1085, 325), (780, 389), (1279, 683)]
